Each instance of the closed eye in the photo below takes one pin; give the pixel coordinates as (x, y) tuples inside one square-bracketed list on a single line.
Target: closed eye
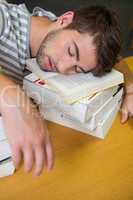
[(70, 52), (80, 70), (76, 69)]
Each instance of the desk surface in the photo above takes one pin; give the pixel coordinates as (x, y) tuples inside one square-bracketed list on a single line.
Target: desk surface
[(86, 168)]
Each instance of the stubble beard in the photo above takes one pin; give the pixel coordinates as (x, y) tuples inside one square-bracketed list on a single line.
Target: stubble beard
[(44, 46)]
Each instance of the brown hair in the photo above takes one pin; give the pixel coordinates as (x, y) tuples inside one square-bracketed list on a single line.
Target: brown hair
[(101, 23)]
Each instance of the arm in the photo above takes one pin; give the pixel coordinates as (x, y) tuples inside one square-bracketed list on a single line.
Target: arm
[(127, 104), (26, 131)]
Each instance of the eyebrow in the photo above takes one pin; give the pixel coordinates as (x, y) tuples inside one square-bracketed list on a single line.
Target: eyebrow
[(77, 51)]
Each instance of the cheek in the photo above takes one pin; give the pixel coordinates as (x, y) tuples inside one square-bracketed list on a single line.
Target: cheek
[(56, 48), (57, 51)]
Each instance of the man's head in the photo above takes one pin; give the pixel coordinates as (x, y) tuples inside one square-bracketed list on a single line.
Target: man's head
[(87, 39)]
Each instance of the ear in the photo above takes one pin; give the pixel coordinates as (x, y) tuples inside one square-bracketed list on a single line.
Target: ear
[(65, 19)]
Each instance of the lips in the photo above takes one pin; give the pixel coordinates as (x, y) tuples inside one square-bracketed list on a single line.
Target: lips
[(48, 64)]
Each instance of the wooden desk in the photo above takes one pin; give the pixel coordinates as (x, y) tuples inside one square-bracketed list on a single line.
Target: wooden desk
[(86, 168)]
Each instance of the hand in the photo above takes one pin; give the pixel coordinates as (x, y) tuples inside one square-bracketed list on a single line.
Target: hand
[(127, 107), (28, 135)]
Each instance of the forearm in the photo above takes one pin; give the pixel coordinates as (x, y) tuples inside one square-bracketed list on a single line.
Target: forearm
[(7, 91), (24, 128), (12, 97)]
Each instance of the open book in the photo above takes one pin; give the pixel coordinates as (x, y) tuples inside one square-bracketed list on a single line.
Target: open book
[(77, 86)]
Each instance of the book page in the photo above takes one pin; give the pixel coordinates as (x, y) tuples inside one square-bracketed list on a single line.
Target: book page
[(70, 83), (7, 168), (76, 86), (33, 66)]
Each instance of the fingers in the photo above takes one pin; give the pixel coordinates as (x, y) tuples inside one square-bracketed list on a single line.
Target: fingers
[(49, 153), (126, 111), (28, 158), (44, 156), (127, 107), (16, 155), (39, 160), (124, 115), (39, 153)]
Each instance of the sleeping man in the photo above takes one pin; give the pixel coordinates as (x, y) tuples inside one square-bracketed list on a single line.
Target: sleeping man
[(84, 40)]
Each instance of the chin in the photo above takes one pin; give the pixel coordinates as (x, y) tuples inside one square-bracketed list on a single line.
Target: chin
[(45, 69)]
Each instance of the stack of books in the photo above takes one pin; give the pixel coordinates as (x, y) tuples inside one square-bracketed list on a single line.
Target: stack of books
[(6, 165), (80, 101)]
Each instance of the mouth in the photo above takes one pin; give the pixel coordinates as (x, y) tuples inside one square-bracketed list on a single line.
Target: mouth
[(49, 64)]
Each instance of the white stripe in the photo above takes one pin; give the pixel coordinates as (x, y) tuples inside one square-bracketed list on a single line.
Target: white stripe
[(20, 36), (11, 52), (14, 45), (23, 21), (13, 37), (10, 60), (18, 33), (20, 10), (6, 67)]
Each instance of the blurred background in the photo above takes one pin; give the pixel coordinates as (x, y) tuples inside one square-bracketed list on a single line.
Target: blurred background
[(122, 7)]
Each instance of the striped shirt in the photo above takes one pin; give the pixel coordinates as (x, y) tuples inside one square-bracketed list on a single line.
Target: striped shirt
[(14, 38)]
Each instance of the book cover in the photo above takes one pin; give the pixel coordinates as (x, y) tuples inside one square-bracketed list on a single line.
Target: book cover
[(100, 131), (99, 115), (96, 118)]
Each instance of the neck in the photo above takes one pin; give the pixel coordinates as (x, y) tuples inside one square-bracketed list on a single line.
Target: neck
[(40, 26)]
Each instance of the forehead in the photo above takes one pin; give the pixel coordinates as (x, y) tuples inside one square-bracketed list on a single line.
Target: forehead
[(85, 44)]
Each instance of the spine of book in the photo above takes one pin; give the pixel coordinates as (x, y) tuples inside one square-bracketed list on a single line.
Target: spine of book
[(6, 168), (105, 108), (101, 130)]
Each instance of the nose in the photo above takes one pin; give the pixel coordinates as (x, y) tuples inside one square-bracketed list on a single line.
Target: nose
[(66, 64)]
